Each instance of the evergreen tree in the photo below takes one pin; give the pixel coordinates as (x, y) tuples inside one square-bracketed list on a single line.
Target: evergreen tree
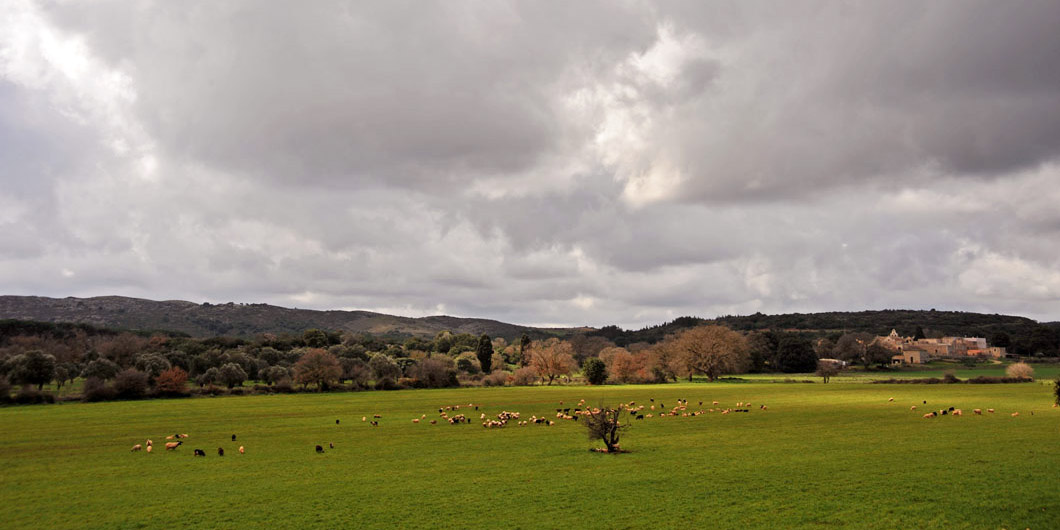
[(524, 346), (485, 353)]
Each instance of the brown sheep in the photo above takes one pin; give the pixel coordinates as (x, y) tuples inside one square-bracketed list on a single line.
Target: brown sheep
[(149, 449), (977, 412), (890, 399), (241, 450), (957, 412), (990, 410), (1015, 414), (149, 442), (172, 445), (913, 407), (415, 420), (137, 447), (929, 415)]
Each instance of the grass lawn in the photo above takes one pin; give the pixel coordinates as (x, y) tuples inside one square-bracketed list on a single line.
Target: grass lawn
[(821, 455)]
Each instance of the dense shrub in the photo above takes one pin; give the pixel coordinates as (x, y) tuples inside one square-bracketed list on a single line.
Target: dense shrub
[(387, 383), (468, 363), (1021, 370), (496, 378), (96, 390), (172, 382), (5, 390), (983, 379), (130, 384), (595, 371), (31, 396), (524, 376), (434, 373)]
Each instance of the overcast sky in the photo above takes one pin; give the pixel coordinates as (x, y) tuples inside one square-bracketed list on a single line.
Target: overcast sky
[(573, 163)]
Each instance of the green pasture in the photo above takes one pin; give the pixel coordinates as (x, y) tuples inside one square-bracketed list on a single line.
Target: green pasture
[(835, 455)]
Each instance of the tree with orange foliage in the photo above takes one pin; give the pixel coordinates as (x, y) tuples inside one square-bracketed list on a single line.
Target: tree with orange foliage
[(708, 350), (172, 381), (552, 358), (317, 366)]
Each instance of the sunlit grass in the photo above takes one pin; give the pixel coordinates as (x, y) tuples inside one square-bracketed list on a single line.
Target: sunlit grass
[(836, 454)]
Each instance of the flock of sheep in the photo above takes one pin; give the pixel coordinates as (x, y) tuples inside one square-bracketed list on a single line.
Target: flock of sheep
[(638, 412), (951, 411), (172, 446)]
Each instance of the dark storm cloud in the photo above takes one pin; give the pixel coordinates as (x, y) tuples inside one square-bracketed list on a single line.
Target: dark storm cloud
[(573, 163)]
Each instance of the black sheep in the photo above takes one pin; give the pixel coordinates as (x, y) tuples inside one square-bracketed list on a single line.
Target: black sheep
[(320, 449), (200, 452), (220, 451)]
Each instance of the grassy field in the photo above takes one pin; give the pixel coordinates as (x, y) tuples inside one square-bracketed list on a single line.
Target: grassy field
[(821, 455)]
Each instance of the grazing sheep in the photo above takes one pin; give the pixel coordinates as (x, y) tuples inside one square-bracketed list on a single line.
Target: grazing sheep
[(890, 399), (913, 407), (241, 450), (170, 437), (233, 437), (331, 445), (336, 422), (200, 452), (364, 418), (377, 416), (149, 449), (320, 449), (149, 442), (220, 451), (434, 422), (375, 424), (958, 412), (929, 415), (172, 445), (990, 410), (137, 447), (415, 420), (1014, 414), (977, 412)]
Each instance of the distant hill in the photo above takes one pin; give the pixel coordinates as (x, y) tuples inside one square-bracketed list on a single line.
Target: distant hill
[(206, 320)]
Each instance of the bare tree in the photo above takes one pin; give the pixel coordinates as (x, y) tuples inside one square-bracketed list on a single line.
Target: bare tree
[(709, 350), (605, 424)]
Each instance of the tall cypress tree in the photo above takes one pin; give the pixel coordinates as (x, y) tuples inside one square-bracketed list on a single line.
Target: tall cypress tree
[(485, 353), (524, 345)]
